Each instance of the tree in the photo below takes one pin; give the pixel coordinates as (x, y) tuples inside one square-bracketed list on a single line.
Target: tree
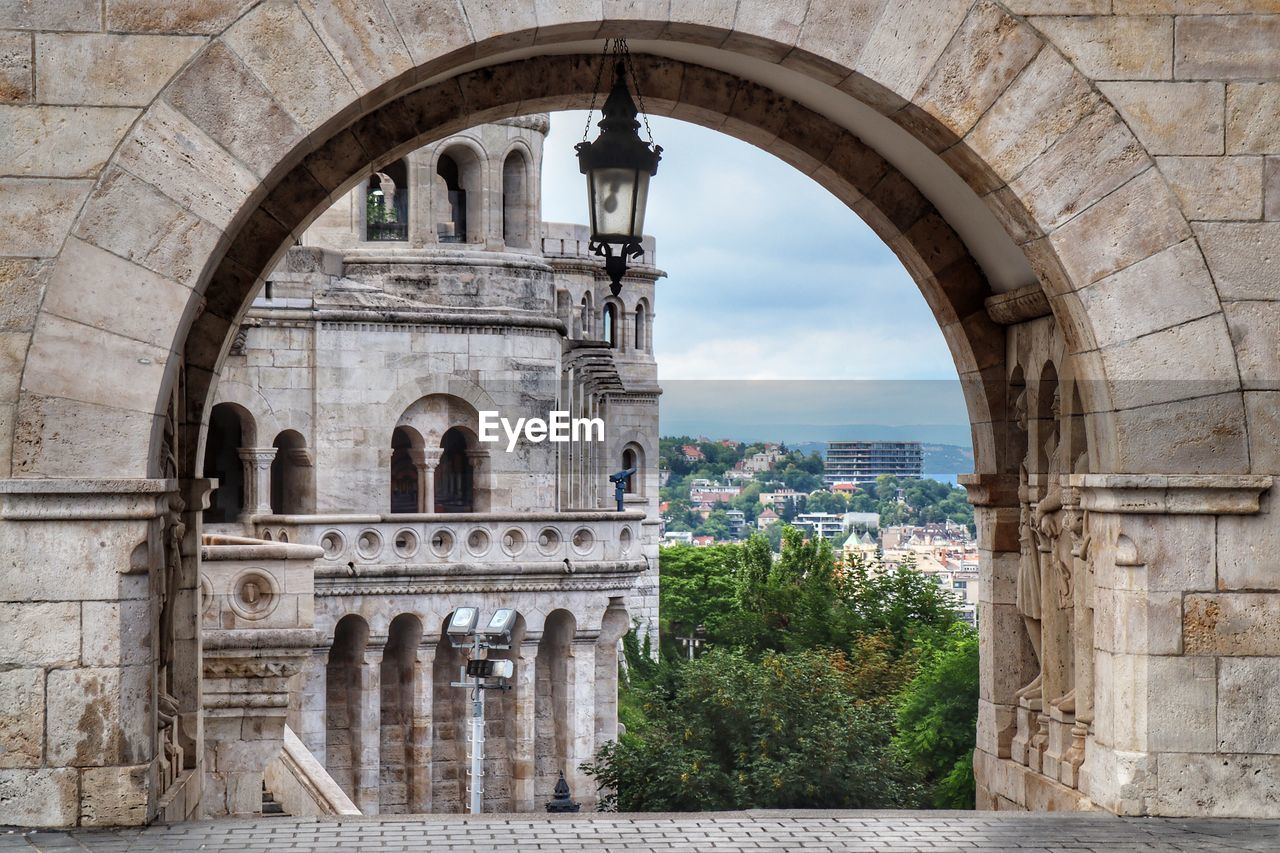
[(938, 715)]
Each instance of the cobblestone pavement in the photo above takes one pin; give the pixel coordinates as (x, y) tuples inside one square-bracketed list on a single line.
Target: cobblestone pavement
[(834, 831)]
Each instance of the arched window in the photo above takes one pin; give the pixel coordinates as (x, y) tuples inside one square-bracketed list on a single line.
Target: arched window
[(641, 342), (515, 202), (451, 201), (404, 474), (609, 324), (587, 316), (386, 206), (455, 486), (631, 458), (290, 475), (230, 429)]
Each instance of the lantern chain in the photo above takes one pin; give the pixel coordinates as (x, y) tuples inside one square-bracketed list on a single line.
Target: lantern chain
[(620, 51), (595, 92), (635, 84)]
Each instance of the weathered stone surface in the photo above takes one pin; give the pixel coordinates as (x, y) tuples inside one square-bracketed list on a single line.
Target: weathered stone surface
[(1216, 188), (1132, 224), (57, 341), (1045, 100), (833, 36), (1255, 331), (1170, 287), (1216, 785), (767, 29), (99, 716), (1231, 623), (1226, 47), (21, 718), (1114, 48), (363, 39), (166, 150), (503, 25), (61, 142), (116, 633), (108, 69), (199, 17), (433, 30), (1253, 118), (1271, 188), (1197, 436), (16, 83), (1181, 705), (1242, 257), (1192, 7), (908, 39), (136, 221), (225, 100), (62, 15), (1090, 160), (55, 437), (1059, 7), (114, 796), (21, 285), (1141, 372), (40, 634), (1248, 546), (47, 797), (1171, 118), (1263, 411), (988, 51), (1248, 695)]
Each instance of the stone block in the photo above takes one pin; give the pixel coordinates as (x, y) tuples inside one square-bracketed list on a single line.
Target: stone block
[(430, 30), (58, 342), (1194, 359), (39, 634), (196, 17), (93, 287), (1181, 700), (1231, 623), (832, 37), (59, 142), (16, 83), (1132, 224), (114, 796), (504, 26), (1170, 287), (1140, 623), (21, 718), (169, 152), (116, 633), (62, 15), (269, 41), (908, 39), (1087, 162), (225, 100), (21, 285), (1216, 785), (1007, 661), (1254, 327), (1045, 100), (1121, 781), (1253, 118), (988, 51), (1226, 47), (1204, 435), (767, 29), (1171, 118), (36, 213), (1248, 696), (1242, 257), (1271, 188), (1111, 47), (46, 797), (56, 437), (108, 69), (99, 716), (1262, 408), (1216, 188)]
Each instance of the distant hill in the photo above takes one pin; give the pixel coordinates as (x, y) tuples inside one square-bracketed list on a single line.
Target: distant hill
[(947, 459), (796, 435)]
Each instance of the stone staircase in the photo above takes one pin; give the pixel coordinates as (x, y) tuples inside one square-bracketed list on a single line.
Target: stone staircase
[(271, 808)]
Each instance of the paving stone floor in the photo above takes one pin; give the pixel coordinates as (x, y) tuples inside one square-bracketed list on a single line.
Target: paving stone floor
[(725, 831)]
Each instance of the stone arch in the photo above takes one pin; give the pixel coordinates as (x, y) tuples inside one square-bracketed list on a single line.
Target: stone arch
[(642, 323), (292, 475), (232, 428), (458, 208), (350, 710), (554, 698), (398, 704), (407, 453)]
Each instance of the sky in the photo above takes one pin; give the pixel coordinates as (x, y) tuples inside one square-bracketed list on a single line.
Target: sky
[(770, 277)]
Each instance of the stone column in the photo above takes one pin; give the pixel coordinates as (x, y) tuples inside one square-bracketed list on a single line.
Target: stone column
[(419, 771), (582, 660), (312, 727), (366, 730), (426, 461), (522, 763), (479, 462), (257, 480)]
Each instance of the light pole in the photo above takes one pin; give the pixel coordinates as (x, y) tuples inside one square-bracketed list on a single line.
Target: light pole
[(462, 632)]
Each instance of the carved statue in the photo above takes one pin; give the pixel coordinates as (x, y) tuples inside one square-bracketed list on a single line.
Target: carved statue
[(1028, 584)]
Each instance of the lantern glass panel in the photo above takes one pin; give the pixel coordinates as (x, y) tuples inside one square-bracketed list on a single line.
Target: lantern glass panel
[(613, 197)]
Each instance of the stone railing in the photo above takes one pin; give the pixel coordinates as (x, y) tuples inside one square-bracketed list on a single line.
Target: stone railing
[(302, 785), (523, 541)]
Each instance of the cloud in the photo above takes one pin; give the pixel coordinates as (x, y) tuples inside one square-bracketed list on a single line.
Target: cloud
[(770, 276)]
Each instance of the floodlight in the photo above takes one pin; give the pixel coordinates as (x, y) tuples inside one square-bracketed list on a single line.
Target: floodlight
[(501, 624), (461, 624)]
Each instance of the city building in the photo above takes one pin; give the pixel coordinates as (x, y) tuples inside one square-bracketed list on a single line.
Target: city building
[(348, 417), (860, 462), (826, 525), (767, 518)]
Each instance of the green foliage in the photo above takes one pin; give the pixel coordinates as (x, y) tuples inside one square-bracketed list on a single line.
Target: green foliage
[(797, 730), (938, 715)]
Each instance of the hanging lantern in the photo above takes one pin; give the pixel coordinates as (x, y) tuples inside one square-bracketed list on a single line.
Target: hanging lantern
[(618, 165)]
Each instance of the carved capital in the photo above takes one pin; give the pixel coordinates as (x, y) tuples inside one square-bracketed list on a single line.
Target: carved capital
[(258, 457), (991, 489), (1172, 494)]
